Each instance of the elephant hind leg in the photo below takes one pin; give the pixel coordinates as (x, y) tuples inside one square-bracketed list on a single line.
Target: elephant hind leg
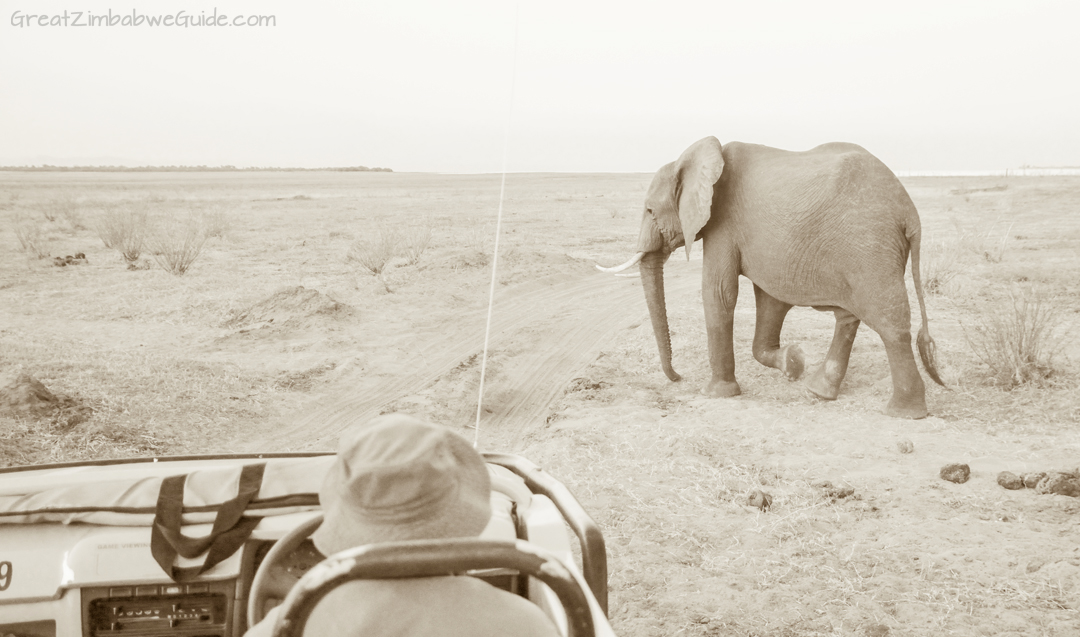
[(894, 327), (767, 351), (824, 380), (909, 392)]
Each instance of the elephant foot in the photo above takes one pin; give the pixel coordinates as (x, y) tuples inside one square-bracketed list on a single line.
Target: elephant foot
[(912, 409), (822, 384), (792, 361), (721, 389)]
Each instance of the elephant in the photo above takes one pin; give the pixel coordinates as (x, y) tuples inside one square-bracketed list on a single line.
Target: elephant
[(830, 228)]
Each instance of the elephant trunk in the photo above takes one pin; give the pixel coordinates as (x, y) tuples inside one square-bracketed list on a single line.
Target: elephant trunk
[(652, 280)]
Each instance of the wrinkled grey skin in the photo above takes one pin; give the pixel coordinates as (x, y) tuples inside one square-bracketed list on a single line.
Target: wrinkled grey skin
[(830, 228)]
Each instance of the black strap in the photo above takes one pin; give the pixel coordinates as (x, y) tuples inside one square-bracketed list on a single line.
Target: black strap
[(229, 532)]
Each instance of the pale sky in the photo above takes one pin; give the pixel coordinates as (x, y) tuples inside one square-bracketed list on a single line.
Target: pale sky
[(611, 86)]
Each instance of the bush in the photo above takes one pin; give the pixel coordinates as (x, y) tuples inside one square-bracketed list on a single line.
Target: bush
[(65, 206), (124, 231), (176, 244), (48, 211), (415, 240), (1018, 339), (74, 219), (479, 237), (215, 223), (374, 249), (31, 237)]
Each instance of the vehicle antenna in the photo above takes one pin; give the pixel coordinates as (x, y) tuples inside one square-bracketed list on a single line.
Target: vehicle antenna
[(498, 229)]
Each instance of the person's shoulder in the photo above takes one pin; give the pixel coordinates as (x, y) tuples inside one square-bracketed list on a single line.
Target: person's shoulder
[(507, 609), (456, 603)]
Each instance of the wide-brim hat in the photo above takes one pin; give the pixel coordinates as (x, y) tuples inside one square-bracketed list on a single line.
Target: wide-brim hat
[(400, 478)]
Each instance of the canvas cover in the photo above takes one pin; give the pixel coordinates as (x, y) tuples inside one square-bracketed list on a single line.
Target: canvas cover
[(287, 485), (233, 497)]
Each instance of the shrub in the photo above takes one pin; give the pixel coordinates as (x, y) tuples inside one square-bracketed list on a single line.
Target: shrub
[(176, 244), (48, 211), (415, 240), (479, 237), (31, 237), (374, 249), (74, 219), (1018, 339), (215, 223), (65, 206), (124, 231)]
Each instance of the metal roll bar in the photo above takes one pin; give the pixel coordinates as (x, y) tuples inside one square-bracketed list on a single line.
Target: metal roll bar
[(593, 549), (428, 558)]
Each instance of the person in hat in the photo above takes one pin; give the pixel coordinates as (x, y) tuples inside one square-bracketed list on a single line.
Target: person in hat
[(400, 478)]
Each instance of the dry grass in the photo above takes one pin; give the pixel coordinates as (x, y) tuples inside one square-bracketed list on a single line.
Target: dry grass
[(132, 394), (666, 472), (123, 229), (215, 222), (31, 236), (690, 556), (938, 265), (1018, 339), (62, 205), (990, 243), (376, 247), (177, 243), (415, 240), (379, 245), (611, 208)]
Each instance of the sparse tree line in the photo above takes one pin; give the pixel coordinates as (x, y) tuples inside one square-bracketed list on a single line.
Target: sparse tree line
[(157, 169)]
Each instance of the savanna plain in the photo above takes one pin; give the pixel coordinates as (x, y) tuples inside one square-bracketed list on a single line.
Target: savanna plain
[(251, 311)]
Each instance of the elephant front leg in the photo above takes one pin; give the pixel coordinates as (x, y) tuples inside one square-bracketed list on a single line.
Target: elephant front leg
[(767, 351), (824, 380), (719, 301)]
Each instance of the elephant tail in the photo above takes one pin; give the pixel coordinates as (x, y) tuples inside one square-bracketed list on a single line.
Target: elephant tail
[(923, 340)]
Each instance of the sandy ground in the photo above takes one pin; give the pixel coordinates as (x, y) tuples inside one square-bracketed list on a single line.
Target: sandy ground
[(860, 539)]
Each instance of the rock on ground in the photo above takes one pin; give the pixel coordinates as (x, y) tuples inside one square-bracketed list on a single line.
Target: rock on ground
[(1060, 483), (958, 473), (1010, 480)]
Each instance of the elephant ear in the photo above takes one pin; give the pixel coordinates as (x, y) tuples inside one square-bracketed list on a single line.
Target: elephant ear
[(698, 168)]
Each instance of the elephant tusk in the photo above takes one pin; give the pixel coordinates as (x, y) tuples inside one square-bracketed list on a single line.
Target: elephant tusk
[(634, 260)]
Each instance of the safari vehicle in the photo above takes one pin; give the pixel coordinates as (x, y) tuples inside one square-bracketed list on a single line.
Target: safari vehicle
[(206, 545)]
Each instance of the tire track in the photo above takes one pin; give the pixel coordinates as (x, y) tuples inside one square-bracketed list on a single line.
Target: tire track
[(578, 314)]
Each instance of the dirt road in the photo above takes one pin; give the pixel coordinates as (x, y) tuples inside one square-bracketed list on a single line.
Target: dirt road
[(543, 334)]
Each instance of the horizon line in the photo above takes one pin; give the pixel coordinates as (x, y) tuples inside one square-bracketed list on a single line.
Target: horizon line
[(1023, 171)]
